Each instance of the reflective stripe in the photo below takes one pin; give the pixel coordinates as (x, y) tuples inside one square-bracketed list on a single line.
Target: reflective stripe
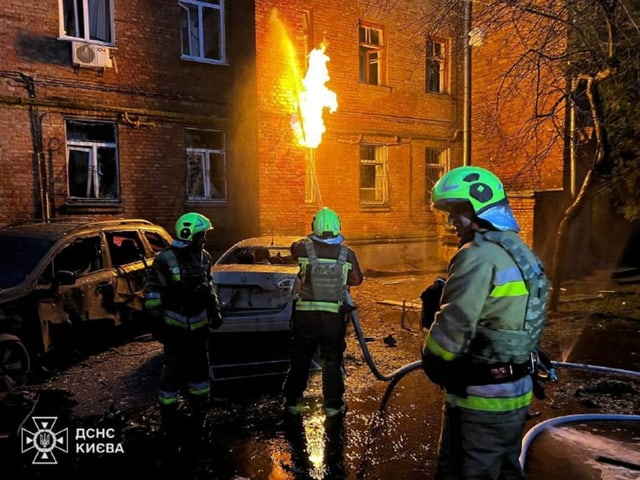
[(496, 397), (307, 306), (497, 404), (167, 398), (511, 274), (199, 388), (182, 321), (511, 289), (175, 272), (152, 300), (434, 347), (153, 303)]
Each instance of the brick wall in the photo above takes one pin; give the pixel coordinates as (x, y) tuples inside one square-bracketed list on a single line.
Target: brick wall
[(149, 93), (152, 95), (398, 114)]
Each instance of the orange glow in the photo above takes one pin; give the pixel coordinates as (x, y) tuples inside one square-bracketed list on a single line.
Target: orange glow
[(313, 99)]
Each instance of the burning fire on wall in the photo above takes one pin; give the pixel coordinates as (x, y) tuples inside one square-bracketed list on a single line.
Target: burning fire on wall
[(308, 123), (313, 98)]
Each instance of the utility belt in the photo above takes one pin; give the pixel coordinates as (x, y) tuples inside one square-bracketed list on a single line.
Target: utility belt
[(484, 374)]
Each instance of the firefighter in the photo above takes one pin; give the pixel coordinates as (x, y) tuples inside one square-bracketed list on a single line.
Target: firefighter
[(182, 302), (327, 268), (488, 328)]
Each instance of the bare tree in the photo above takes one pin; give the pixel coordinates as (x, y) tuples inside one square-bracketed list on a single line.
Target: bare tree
[(563, 54)]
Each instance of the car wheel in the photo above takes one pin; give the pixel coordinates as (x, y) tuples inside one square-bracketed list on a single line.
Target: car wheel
[(14, 363)]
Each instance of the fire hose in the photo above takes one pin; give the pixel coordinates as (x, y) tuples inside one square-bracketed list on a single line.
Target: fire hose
[(397, 374)]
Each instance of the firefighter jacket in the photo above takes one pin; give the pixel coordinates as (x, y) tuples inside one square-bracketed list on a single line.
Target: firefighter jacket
[(480, 329), (326, 271), (180, 289)]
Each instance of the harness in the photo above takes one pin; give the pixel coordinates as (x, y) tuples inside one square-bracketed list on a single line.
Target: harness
[(327, 286), (512, 350), (185, 301)]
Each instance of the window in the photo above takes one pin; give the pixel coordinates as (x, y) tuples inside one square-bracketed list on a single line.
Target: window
[(206, 165), (124, 247), (372, 55), (436, 69), (90, 20), (92, 160), (436, 164), (374, 184), (82, 256), (156, 241), (202, 30)]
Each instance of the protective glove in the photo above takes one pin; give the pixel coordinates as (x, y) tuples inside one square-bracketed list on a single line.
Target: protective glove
[(215, 319), (213, 313), (431, 301), (448, 374)]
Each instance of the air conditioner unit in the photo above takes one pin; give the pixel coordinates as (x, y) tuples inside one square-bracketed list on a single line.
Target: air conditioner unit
[(90, 55)]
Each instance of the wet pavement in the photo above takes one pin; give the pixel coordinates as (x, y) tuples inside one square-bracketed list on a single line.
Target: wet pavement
[(390, 431)]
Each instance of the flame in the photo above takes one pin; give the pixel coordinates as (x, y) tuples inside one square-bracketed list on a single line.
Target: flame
[(313, 99)]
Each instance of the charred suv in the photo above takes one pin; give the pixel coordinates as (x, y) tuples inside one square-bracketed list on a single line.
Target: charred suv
[(58, 275)]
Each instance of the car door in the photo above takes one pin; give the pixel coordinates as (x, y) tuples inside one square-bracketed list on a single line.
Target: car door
[(79, 282), (128, 260)]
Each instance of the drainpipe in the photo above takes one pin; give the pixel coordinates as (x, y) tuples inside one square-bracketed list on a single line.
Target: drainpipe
[(466, 129)]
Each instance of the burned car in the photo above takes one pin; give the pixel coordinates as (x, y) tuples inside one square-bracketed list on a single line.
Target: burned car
[(57, 275), (255, 281)]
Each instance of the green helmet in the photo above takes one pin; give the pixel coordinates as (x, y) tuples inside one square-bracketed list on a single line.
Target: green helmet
[(190, 224), (476, 185), (326, 223)]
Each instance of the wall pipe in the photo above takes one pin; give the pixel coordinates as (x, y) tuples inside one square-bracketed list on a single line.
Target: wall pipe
[(466, 129)]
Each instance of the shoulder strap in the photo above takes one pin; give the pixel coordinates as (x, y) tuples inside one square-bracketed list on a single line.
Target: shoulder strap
[(534, 277), (311, 252), (342, 258), (517, 253)]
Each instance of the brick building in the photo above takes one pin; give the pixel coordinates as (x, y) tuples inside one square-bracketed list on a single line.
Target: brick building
[(122, 110)]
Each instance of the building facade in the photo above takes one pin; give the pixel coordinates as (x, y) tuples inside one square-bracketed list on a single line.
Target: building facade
[(118, 109)]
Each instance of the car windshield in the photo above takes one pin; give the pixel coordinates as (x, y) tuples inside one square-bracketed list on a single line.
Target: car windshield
[(257, 254), (20, 254)]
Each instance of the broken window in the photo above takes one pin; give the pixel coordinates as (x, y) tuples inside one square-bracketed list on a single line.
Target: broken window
[(436, 68), (92, 160), (206, 165), (374, 183), (436, 164), (156, 241), (124, 247), (202, 30), (82, 256), (87, 19), (372, 55)]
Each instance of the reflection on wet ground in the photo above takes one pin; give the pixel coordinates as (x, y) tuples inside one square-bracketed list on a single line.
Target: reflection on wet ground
[(390, 431)]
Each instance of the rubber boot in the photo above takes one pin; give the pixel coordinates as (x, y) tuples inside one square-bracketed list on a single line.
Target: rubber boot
[(170, 427), (196, 425)]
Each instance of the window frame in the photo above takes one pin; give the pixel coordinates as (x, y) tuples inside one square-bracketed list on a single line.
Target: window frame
[(434, 170), (371, 54), (91, 148), (380, 162), (438, 63), (201, 6), (83, 27), (206, 153)]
